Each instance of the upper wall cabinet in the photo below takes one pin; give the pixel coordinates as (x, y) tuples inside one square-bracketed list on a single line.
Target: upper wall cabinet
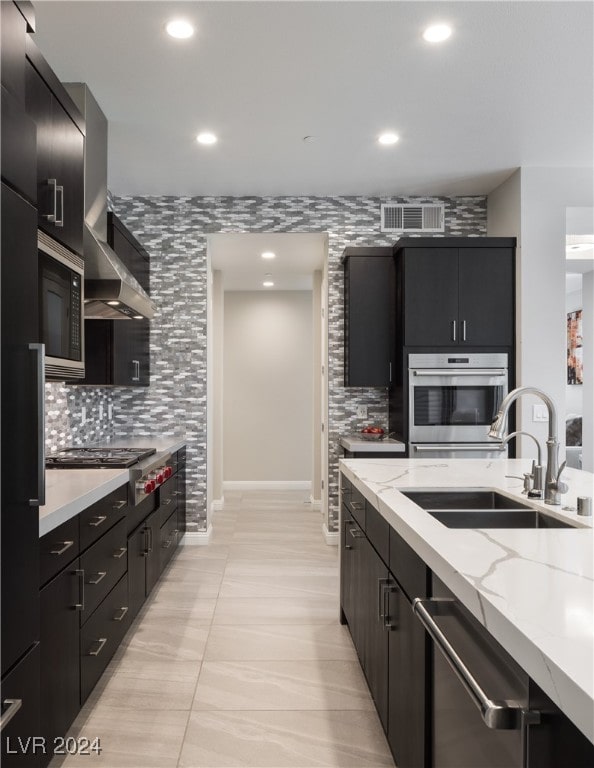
[(369, 290), (60, 153), (456, 291)]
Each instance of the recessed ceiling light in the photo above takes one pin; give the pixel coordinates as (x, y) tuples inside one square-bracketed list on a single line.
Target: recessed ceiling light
[(268, 255), (580, 247), (113, 303), (180, 29), (267, 283), (206, 138), (437, 33), (388, 138), (138, 317)]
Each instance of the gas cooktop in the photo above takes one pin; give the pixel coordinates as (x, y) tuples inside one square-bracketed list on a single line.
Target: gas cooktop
[(99, 458)]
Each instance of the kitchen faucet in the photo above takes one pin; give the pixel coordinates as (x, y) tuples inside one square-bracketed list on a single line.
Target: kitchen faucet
[(554, 487), (533, 479)]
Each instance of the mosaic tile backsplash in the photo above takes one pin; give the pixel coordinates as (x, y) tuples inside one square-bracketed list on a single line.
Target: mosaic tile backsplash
[(174, 231)]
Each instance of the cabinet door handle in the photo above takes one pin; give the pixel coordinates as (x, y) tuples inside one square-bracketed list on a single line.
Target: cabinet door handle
[(357, 504), (101, 643), (59, 222), (120, 552), (100, 576), (136, 365), (389, 589), (149, 548), (178, 493), (80, 606), (381, 608), (453, 330), (167, 544), (12, 707), (51, 217), (499, 715), (463, 330), (166, 502), (66, 545), (98, 520), (390, 373), (39, 349), (119, 505), (124, 610), (145, 550)]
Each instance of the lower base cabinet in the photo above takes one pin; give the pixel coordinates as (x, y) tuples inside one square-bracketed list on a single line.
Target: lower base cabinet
[(20, 693), (428, 715)]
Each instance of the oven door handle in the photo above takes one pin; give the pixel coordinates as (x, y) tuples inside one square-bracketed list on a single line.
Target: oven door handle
[(458, 372), (460, 447)]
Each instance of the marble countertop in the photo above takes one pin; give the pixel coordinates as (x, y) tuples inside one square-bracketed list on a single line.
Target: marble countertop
[(532, 589), (356, 443), (69, 491)]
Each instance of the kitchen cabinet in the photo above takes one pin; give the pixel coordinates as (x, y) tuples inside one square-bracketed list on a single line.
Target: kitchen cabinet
[(456, 292), (13, 29), (21, 685), (60, 148), (369, 296), (179, 468), (117, 352)]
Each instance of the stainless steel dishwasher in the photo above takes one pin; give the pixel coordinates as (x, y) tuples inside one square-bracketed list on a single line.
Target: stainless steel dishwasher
[(479, 696)]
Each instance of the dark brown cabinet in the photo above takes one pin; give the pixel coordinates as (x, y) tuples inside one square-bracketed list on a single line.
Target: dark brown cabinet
[(369, 296), (20, 694), (60, 153), (117, 352), (456, 291)]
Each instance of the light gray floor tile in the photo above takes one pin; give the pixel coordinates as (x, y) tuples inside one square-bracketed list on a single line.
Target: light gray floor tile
[(280, 642), (157, 637), (272, 610), (284, 740), (281, 685)]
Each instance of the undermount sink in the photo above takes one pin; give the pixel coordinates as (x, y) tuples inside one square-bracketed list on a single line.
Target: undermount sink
[(481, 509)]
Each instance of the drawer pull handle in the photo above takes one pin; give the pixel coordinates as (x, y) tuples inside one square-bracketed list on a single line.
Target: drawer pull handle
[(12, 707), (166, 502), (356, 534), (66, 545), (119, 505), (100, 576), (178, 493), (357, 504), (124, 610), (80, 606), (167, 544), (98, 520), (101, 642), (120, 552)]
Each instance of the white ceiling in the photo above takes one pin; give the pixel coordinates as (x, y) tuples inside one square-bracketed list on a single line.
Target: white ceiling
[(239, 258), (513, 86)]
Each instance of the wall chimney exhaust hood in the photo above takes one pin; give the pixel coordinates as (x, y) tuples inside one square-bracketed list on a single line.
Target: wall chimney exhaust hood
[(111, 291)]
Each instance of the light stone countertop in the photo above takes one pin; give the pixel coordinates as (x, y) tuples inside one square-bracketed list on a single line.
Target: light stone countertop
[(356, 443), (532, 589), (69, 491)]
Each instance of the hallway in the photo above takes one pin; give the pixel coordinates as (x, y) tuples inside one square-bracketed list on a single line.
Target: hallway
[(238, 658)]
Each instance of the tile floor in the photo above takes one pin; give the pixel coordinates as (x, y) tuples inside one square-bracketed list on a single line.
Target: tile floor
[(238, 658)]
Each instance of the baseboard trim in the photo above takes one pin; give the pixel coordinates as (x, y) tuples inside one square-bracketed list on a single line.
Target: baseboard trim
[(331, 537), (267, 485), (197, 538), (315, 503)]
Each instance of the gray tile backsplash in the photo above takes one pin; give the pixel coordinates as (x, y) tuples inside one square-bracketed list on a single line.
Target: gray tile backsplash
[(174, 231)]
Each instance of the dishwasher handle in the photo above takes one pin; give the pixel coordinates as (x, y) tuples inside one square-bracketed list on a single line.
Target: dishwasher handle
[(498, 715)]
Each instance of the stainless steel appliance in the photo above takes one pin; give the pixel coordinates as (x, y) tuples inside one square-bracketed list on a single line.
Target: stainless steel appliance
[(61, 274), (452, 401), (148, 469)]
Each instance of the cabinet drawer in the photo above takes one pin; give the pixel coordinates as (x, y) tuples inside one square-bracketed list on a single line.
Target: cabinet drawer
[(136, 514), (168, 499), (378, 531), (101, 636), (99, 517), (21, 684), (354, 501), (103, 565), (407, 567), (57, 549), (168, 539)]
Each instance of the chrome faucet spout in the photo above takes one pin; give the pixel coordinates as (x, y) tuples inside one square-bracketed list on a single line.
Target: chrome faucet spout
[(553, 485)]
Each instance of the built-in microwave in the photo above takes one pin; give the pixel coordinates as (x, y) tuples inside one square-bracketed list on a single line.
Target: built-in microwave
[(61, 302)]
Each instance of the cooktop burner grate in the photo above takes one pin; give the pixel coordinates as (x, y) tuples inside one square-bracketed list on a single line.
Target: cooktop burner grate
[(98, 458)]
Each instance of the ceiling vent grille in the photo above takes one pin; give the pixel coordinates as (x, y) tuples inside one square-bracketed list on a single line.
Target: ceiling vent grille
[(408, 217)]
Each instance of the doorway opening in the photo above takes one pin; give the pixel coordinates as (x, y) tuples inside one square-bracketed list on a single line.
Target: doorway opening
[(267, 398)]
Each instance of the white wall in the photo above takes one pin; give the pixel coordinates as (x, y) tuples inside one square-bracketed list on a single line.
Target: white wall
[(216, 453), (541, 195), (267, 388), (316, 484)]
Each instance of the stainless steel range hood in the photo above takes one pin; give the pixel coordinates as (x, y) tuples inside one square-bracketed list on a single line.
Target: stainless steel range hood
[(111, 291)]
